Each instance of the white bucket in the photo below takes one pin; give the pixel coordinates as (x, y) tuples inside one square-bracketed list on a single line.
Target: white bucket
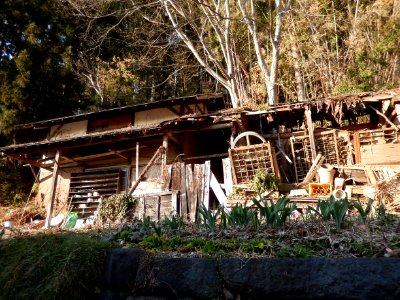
[(339, 194), (339, 182), (326, 173)]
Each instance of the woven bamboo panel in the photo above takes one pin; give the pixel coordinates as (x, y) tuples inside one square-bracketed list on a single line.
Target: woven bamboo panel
[(247, 160)]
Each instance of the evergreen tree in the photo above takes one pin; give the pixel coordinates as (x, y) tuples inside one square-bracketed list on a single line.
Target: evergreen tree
[(39, 47)]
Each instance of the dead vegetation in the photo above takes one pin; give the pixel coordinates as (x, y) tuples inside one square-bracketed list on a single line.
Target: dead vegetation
[(388, 192)]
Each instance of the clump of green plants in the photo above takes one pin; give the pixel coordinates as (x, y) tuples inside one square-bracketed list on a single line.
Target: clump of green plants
[(331, 208), (324, 208), (51, 266), (361, 247), (115, 209), (243, 216), (275, 213), (363, 211), (207, 217), (297, 250), (340, 208), (264, 181), (258, 246), (173, 223), (134, 233)]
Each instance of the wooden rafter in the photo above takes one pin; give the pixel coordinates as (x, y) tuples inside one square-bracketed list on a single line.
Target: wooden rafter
[(29, 161)]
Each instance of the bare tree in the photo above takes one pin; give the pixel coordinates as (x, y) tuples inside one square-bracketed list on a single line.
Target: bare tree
[(227, 66)]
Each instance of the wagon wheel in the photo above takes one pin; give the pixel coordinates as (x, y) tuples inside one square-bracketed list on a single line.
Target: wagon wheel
[(246, 136)]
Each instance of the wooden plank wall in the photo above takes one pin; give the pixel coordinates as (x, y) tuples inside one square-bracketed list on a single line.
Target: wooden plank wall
[(378, 147), (193, 184)]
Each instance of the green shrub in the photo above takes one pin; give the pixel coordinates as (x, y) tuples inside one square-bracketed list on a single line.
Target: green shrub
[(15, 184), (51, 266), (115, 209), (263, 182)]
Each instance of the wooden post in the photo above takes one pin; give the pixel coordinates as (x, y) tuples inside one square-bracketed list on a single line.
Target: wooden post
[(228, 181), (146, 168), (198, 184), (184, 205), (310, 127), (137, 161), (357, 145), (191, 193), (164, 157), (53, 191), (206, 182)]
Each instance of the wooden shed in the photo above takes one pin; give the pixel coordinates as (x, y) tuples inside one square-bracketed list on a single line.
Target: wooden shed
[(177, 153)]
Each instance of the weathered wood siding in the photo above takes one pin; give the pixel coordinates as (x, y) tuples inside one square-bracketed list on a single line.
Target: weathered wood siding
[(58, 132)]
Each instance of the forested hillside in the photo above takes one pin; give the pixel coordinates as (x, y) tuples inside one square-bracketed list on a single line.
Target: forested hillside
[(61, 57)]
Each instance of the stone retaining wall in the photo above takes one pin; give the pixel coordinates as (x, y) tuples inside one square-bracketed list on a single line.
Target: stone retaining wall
[(133, 274)]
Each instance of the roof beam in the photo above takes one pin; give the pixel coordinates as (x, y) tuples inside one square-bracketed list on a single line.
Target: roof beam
[(29, 161)]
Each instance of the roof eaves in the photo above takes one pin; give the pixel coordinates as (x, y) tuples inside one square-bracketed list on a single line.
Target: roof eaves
[(136, 107)]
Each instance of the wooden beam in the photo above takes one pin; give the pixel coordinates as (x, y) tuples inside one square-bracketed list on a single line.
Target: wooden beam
[(53, 191), (191, 195), (100, 155), (70, 160), (310, 127), (28, 161), (207, 175), (313, 169), (198, 173), (33, 172), (159, 151), (356, 142), (119, 154), (183, 191), (137, 161), (164, 157), (189, 110), (370, 175), (224, 155), (234, 177), (219, 193), (174, 110), (174, 139), (227, 170), (386, 118)]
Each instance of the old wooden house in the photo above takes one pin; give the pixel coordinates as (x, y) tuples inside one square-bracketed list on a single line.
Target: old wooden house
[(175, 154)]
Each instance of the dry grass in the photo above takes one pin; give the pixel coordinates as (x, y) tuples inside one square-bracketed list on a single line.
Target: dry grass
[(388, 193)]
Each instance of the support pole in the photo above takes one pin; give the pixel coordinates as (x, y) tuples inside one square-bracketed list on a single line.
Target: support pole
[(137, 161), (310, 127), (53, 190), (164, 157)]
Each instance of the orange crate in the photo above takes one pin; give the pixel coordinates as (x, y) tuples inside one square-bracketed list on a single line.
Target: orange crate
[(319, 189)]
